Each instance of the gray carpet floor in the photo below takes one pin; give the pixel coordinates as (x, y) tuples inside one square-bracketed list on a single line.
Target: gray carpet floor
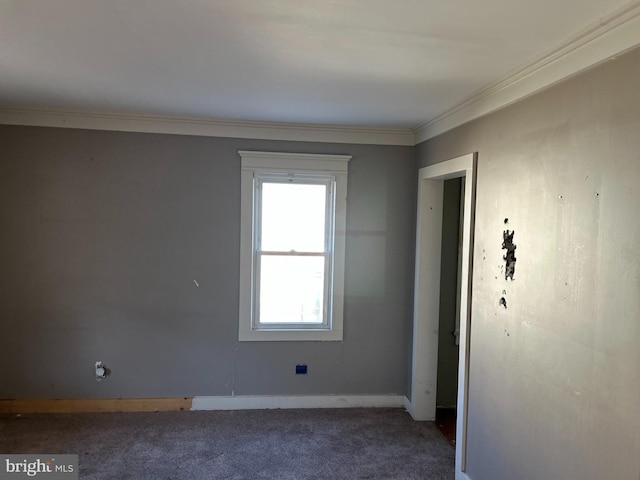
[(252, 444)]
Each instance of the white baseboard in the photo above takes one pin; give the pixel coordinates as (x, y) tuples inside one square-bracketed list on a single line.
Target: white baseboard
[(253, 402)]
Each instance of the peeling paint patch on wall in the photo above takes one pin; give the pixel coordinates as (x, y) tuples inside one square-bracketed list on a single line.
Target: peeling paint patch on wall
[(510, 256)]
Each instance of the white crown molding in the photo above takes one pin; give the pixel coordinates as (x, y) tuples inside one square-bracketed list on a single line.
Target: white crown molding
[(253, 402), (205, 127), (601, 41)]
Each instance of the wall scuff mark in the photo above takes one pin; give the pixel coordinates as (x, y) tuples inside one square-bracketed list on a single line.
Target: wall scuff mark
[(510, 256)]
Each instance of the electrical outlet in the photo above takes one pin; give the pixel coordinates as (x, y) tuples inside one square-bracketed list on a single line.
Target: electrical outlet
[(101, 371)]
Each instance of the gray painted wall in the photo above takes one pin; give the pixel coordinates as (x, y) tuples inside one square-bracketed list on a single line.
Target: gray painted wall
[(102, 235), (555, 377), (448, 351)]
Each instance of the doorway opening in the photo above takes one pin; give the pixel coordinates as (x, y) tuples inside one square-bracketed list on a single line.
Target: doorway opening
[(449, 328), (426, 321)]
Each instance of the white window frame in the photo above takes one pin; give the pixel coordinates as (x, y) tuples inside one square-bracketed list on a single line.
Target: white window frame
[(260, 165)]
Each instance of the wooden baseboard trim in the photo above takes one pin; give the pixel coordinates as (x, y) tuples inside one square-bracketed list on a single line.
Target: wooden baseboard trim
[(92, 405)]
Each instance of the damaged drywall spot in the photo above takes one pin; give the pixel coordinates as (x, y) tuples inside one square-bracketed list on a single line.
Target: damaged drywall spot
[(503, 302), (510, 256), (102, 371)]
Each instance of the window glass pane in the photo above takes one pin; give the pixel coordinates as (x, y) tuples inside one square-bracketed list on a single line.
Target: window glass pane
[(293, 217), (291, 289)]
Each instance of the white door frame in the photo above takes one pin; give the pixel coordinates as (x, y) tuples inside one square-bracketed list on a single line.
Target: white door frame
[(426, 314)]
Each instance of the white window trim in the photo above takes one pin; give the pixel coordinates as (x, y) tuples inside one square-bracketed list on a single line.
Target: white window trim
[(264, 162)]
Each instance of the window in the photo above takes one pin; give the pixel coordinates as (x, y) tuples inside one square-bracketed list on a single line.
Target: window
[(293, 210)]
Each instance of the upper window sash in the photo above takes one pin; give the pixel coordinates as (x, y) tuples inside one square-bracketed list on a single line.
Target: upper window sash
[(328, 181)]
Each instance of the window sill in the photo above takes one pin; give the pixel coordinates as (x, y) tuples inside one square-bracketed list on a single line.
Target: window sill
[(290, 335)]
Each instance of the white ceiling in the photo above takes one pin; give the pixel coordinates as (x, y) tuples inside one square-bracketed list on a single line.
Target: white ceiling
[(343, 62)]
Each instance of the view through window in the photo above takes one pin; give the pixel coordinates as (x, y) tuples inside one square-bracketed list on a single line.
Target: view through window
[(294, 251)]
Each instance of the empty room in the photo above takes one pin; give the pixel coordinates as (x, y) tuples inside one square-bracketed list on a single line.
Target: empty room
[(320, 239)]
